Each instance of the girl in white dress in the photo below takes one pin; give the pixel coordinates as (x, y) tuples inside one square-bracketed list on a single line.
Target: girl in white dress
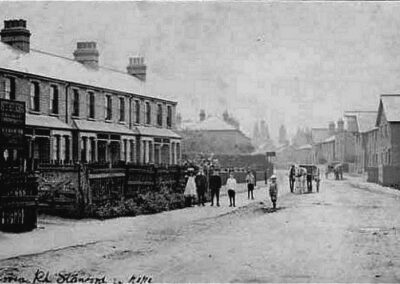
[(190, 193)]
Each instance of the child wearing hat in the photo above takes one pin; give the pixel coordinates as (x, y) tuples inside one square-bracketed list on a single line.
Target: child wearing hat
[(273, 191)]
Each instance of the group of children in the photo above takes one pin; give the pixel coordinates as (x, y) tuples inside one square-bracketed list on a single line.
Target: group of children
[(231, 184)]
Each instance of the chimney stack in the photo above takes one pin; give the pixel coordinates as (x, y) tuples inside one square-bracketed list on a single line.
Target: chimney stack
[(340, 125), (137, 68), (202, 115), (87, 54), (16, 34)]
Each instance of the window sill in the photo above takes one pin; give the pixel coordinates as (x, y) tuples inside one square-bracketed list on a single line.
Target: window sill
[(75, 117), (34, 111), (91, 119), (122, 122), (108, 121), (54, 114)]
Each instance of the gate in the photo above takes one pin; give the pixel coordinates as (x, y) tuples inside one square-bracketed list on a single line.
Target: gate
[(18, 202), (18, 189)]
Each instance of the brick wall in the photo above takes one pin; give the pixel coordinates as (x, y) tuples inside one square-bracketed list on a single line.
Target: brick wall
[(394, 134), (99, 98), (389, 176), (82, 103), (23, 94)]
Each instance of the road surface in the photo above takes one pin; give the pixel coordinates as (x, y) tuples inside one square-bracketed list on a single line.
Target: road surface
[(345, 233)]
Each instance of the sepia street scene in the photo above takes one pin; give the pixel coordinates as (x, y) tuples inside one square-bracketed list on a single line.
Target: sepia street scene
[(199, 142)]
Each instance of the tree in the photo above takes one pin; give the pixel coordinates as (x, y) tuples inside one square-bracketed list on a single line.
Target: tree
[(303, 136), (282, 135), (264, 131), (256, 134)]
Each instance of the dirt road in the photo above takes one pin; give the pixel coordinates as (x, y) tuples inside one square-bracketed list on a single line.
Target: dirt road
[(342, 234)]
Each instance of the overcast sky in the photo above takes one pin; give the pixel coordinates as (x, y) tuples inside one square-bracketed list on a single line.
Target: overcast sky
[(297, 63)]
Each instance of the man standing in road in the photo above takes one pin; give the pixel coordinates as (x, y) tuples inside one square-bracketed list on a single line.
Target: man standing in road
[(251, 181), (215, 186), (273, 191), (201, 186), (292, 175)]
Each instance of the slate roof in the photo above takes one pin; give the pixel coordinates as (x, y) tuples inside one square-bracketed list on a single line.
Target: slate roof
[(319, 134), (305, 147), (97, 126), (365, 119), (391, 106), (155, 131), (45, 121), (57, 67)]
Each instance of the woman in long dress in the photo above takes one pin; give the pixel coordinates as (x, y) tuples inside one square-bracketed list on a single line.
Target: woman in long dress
[(298, 175), (190, 193)]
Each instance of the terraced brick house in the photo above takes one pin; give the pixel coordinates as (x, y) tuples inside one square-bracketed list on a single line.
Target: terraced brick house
[(78, 110)]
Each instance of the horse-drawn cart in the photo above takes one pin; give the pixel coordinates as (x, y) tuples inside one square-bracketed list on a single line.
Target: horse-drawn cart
[(313, 175)]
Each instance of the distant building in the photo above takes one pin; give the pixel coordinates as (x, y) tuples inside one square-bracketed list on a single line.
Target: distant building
[(323, 144), (214, 135), (324, 152), (318, 135), (285, 155), (335, 143), (361, 123), (78, 110), (304, 154), (345, 141)]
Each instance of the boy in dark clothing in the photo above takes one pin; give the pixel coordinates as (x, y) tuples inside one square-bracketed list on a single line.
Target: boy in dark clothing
[(215, 186), (201, 186), (251, 181), (273, 191)]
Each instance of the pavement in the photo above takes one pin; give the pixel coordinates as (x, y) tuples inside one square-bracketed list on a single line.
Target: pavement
[(55, 233), (348, 232)]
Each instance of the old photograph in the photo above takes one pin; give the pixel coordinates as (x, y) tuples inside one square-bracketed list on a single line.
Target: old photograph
[(199, 141)]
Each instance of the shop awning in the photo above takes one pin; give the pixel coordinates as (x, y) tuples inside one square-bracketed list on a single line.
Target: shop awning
[(97, 126), (157, 132), (45, 121)]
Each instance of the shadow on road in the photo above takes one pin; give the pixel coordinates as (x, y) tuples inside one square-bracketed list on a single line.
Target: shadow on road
[(268, 209)]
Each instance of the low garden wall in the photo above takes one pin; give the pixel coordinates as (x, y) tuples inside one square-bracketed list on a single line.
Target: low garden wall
[(80, 191), (372, 173)]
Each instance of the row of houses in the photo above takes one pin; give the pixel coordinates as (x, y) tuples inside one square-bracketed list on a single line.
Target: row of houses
[(366, 141), (78, 110)]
